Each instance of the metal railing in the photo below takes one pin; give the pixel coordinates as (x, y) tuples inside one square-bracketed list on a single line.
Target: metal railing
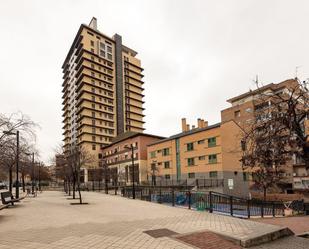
[(213, 202)]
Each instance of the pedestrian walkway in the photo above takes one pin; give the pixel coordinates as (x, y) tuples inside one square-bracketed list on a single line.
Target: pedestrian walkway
[(49, 221)]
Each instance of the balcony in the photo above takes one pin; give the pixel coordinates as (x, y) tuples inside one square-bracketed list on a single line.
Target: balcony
[(301, 182)]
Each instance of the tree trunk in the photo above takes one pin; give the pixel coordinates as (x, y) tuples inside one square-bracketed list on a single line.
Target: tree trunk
[(74, 185), (10, 179), (69, 187), (78, 188), (23, 181)]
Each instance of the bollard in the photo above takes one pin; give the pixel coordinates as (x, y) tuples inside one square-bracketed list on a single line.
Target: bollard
[(210, 202), (231, 205)]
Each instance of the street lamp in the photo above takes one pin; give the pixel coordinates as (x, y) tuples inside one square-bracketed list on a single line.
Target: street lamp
[(17, 160), (153, 169), (32, 177), (132, 157)]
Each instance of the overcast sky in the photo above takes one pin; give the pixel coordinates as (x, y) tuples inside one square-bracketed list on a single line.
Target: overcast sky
[(196, 54)]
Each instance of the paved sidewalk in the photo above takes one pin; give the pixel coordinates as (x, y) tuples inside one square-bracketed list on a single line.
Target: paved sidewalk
[(49, 221), (298, 224)]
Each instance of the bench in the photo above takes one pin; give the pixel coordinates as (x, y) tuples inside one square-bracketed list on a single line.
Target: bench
[(7, 198)]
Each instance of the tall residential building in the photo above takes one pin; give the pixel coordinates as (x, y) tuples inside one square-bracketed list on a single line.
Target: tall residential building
[(102, 90)]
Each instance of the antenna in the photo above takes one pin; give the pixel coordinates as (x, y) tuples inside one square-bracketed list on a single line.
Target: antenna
[(296, 71), (256, 80)]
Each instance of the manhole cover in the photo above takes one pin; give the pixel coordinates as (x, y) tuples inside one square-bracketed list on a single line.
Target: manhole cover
[(158, 233)]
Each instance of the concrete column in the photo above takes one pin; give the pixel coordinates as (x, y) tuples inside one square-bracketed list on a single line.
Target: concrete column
[(85, 175)]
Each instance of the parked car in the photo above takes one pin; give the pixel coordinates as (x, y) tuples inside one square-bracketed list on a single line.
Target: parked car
[(3, 185)]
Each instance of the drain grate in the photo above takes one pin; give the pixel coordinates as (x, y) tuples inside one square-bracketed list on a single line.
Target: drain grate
[(158, 233)]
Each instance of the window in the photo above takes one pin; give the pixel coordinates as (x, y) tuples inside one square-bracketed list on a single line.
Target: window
[(201, 158), (92, 43), (109, 56), (93, 138), (152, 154), (212, 158), (166, 152), (167, 177), (245, 176), (190, 146), (212, 142), (213, 174), (237, 114), (167, 165), (191, 175), (109, 49), (102, 53), (201, 141), (191, 161), (93, 147)]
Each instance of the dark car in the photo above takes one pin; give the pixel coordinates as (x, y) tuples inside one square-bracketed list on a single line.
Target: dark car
[(3, 185)]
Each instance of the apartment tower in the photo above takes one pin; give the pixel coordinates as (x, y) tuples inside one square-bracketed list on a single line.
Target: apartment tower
[(102, 91)]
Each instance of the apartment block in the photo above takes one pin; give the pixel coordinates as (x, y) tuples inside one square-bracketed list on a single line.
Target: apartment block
[(249, 107), (117, 157), (102, 91), (202, 152)]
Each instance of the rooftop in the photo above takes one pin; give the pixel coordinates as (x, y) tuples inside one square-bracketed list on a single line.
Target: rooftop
[(271, 86), (130, 134), (187, 133)]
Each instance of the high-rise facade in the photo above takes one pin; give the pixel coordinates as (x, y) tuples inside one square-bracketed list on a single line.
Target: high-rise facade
[(102, 90)]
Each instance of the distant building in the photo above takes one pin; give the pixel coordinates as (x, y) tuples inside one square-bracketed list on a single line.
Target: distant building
[(117, 157)]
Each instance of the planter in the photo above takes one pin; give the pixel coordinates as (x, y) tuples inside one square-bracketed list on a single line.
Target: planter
[(288, 212)]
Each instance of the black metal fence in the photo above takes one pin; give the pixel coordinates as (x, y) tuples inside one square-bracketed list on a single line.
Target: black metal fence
[(183, 184), (213, 202)]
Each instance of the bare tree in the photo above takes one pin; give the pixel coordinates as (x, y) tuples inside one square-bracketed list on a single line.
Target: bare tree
[(16, 121), (77, 158), (277, 133)]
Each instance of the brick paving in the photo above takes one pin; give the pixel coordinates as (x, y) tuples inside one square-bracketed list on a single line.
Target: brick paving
[(207, 240), (49, 221)]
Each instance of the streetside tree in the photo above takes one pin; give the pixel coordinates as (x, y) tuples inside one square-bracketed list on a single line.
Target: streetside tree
[(277, 134)]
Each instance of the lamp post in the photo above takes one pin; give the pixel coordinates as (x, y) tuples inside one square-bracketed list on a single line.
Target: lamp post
[(133, 175), (17, 160), (40, 177), (153, 175)]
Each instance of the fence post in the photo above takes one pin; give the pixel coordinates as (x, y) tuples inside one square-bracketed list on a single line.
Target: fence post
[(189, 196), (273, 206), (231, 205), (160, 193), (248, 208), (173, 197), (149, 193), (210, 202), (262, 209)]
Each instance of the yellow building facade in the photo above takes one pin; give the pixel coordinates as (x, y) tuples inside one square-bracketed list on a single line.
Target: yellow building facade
[(201, 153)]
